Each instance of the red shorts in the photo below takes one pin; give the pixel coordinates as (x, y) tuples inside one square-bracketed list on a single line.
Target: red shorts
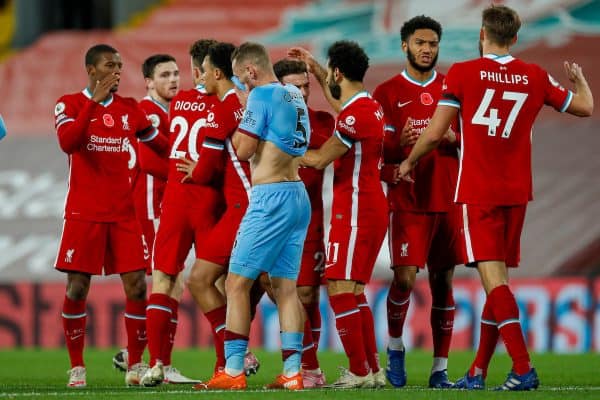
[(149, 228), (417, 238), (220, 241), (96, 247), (180, 228), (352, 252), (312, 265), (493, 233)]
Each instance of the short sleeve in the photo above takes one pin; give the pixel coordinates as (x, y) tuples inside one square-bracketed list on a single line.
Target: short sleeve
[(254, 119), (554, 94), (64, 112), (346, 128), (380, 94), (451, 88)]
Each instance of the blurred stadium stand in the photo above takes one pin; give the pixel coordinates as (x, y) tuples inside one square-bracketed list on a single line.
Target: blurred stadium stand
[(562, 234)]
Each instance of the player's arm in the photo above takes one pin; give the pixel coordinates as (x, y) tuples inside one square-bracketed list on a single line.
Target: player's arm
[(430, 138), (320, 158), (245, 144), (582, 103), (319, 72), (70, 130), (152, 163), (210, 163)]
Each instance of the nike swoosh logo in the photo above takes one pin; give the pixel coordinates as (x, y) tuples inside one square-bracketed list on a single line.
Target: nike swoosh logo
[(93, 119), (76, 336), (400, 105)]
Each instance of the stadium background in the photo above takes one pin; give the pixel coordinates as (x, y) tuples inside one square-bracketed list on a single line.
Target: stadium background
[(42, 44)]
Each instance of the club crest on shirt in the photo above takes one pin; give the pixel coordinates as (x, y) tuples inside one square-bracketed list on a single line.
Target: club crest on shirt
[(124, 121), (108, 120), (350, 120), (60, 107), (426, 99), (154, 120)]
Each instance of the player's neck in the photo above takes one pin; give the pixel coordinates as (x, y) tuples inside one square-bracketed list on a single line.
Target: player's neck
[(350, 89), (223, 88), (420, 76), (265, 79), (497, 50), (158, 99)]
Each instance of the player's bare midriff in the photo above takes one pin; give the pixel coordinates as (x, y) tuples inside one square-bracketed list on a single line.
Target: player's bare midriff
[(270, 165)]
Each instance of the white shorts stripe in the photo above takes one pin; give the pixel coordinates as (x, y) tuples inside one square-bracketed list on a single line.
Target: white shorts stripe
[(133, 316), (346, 313), (468, 244)]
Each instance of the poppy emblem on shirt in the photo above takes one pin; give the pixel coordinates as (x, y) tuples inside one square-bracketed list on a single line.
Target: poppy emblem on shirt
[(426, 99), (108, 120)]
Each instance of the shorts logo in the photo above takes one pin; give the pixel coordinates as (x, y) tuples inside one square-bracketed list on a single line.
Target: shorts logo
[(108, 120), (404, 250), (69, 256), (426, 99), (124, 119)]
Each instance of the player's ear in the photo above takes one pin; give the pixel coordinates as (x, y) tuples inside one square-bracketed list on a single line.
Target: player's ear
[(404, 46), (482, 34), (514, 40), (149, 83), (91, 69)]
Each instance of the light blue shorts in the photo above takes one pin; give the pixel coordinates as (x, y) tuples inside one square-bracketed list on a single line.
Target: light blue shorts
[(272, 232)]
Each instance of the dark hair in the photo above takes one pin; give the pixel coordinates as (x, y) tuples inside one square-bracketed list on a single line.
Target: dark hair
[(151, 62), (199, 50), (93, 54), (253, 52), (420, 22), (219, 55), (349, 58), (501, 24), (288, 66)]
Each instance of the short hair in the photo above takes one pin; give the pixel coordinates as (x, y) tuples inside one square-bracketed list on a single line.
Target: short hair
[(349, 58), (252, 52), (199, 50), (92, 56), (501, 24), (220, 57), (288, 66), (420, 22), (151, 62)]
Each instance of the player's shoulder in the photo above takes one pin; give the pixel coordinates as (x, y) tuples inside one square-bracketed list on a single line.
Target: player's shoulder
[(128, 102), (391, 84), (320, 116), (72, 98)]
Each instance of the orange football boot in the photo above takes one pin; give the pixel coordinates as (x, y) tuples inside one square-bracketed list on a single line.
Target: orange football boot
[(222, 381), (283, 382)]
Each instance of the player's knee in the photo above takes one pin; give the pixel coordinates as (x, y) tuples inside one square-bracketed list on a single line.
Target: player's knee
[(77, 291), (308, 294), (404, 283)]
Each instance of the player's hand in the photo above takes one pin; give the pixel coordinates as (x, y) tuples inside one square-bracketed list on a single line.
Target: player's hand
[(187, 167), (573, 72), (404, 170), (409, 135), (104, 86), (302, 54)]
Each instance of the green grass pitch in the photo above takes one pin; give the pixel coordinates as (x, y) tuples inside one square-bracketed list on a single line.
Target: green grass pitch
[(40, 374)]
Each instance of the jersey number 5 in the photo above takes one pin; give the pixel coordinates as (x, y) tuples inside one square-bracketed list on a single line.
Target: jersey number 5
[(300, 128), (492, 121)]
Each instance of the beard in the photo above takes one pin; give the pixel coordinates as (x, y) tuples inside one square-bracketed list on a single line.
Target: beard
[(335, 89), (412, 60)]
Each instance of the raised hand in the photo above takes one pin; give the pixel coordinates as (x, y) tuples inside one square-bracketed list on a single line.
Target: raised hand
[(103, 87)]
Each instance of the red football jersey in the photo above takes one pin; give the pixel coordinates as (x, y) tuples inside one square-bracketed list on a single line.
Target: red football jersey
[(358, 197), (402, 97), (499, 98), (221, 127), (321, 129), (188, 113), (98, 140), (150, 172)]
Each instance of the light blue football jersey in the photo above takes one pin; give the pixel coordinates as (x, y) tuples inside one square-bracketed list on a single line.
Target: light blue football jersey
[(277, 113)]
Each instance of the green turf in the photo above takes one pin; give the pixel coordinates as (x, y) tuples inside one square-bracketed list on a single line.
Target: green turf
[(41, 374)]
